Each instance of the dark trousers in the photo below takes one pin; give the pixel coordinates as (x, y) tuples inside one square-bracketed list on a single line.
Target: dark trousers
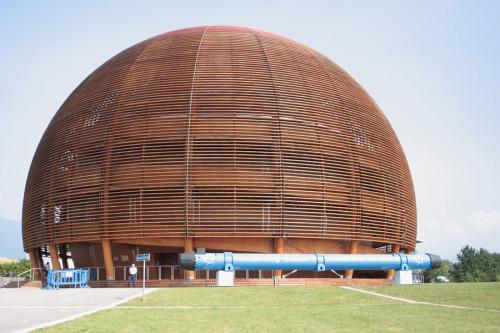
[(132, 278)]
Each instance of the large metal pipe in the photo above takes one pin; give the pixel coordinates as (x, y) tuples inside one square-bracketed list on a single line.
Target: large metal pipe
[(229, 261)]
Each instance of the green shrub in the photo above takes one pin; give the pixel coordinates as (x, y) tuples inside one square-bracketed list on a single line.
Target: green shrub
[(15, 267)]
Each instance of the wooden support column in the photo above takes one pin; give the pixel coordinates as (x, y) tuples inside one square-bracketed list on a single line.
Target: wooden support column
[(278, 248), (39, 261), (108, 259), (54, 257), (34, 264), (188, 247), (395, 249), (353, 249), (33, 260), (64, 255)]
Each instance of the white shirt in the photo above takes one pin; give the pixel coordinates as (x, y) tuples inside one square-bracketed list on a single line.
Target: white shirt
[(132, 270)]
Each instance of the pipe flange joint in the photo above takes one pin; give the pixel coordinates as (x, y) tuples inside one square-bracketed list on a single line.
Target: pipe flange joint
[(320, 262), (404, 262), (228, 261)]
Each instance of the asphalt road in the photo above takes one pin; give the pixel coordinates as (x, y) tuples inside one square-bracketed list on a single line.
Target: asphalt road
[(23, 310)]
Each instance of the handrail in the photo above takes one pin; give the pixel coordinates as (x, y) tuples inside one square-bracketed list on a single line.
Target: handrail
[(29, 270), (95, 275), (32, 275), (97, 270), (16, 278)]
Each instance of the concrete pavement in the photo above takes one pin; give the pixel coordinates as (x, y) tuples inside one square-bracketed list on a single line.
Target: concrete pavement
[(23, 310)]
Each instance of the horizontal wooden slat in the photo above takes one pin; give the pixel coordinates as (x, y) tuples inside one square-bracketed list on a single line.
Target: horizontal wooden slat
[(219, 132)]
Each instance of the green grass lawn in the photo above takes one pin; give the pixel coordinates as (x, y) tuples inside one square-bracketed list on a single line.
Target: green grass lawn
[(476, 295), (255, 297), (295, 309)]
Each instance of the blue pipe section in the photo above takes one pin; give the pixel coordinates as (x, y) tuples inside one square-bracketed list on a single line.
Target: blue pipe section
[(229, 261)]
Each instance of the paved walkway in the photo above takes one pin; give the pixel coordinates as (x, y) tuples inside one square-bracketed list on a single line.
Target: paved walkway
[(23, 310)]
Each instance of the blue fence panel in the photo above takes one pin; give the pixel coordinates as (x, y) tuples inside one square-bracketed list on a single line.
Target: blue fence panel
[(66, 277)]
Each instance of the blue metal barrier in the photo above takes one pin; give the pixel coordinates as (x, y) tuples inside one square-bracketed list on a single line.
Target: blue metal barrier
[(65, 277)]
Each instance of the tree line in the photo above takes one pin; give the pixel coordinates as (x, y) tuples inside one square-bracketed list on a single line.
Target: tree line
[(472, 266)]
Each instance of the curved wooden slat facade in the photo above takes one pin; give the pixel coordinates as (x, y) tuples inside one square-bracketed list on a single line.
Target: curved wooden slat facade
[(219, 132)]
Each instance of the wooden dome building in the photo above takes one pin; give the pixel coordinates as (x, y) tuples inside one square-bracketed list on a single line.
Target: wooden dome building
[(217, 137)]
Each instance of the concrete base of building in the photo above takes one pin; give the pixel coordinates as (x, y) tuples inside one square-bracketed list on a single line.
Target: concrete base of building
[(269, 282)]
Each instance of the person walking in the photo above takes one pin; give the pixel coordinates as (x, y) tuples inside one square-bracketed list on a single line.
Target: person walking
[(132, 275)]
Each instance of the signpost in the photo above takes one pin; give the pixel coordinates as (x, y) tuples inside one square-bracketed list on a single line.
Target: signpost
[(143, 257)]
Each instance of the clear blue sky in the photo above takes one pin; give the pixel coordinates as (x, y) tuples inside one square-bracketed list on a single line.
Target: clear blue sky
[(432, 66)]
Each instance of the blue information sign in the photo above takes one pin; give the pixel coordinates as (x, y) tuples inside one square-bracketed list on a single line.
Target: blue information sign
[(143, 257)]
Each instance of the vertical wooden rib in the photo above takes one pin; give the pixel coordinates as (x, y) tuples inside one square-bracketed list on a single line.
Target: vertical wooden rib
[(188, 139)]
